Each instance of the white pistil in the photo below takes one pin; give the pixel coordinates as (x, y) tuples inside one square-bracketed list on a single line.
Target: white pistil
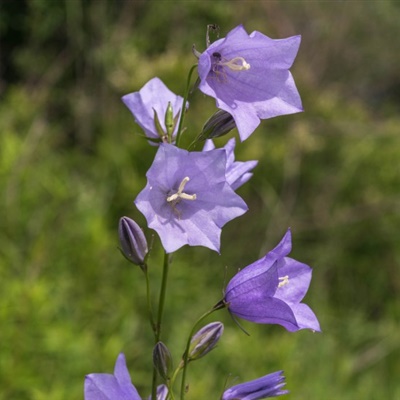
[(180, 194), (236, 64), (283, 281)]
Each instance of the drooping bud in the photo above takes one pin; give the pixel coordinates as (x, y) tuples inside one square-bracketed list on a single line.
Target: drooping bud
[(132, 239), (219, 124), (162, 360), (205, 340)]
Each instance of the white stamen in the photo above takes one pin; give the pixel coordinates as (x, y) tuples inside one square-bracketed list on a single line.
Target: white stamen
[(236, 64), (180, 194), (283, 281)]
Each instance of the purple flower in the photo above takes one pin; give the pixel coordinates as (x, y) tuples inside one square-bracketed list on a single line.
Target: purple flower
[(269, 291), (261, 388), (153, 98), (111, 387), (117, 386), (249, 77), (237, 172), (187, 199)]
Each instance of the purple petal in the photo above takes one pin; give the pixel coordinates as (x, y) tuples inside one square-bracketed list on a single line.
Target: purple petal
[(305, 317), (299, 278), (265, 311)]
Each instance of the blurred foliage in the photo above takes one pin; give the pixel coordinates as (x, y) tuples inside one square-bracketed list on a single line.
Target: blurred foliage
[(72, 161)]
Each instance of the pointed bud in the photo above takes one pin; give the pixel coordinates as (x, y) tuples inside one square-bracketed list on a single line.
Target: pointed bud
[(169, 120), (162, 360), (219, 124), (132, 239), (205, 340)]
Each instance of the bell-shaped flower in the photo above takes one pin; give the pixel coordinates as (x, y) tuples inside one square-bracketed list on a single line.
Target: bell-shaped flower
[(249, 77), (187, 199), (267, 386), (270, 290), (150, 106), (117, 386), (111, 386), (237, 172)]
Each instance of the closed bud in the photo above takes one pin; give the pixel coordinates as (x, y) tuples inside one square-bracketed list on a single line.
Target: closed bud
[(220, 123), (162, 360), (169, 120), (132, 239), (205, 340)]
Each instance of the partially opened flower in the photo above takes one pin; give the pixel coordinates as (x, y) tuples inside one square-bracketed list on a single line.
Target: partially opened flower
[(117, 386), (187, 199), (237, 172), (149, 106), (249, 77), (261, 388), (270, 290)]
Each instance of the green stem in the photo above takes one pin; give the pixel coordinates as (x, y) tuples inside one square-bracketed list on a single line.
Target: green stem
[(183, 110), (148, 295), (157, 330), (218, 306)]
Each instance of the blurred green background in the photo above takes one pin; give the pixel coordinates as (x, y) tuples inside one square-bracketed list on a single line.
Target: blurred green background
[(72, 162)]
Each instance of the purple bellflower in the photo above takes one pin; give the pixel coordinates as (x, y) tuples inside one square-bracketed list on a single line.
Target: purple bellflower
[(117, 386), (267, 386), (269, 291), (187, 199), (151, 99), (249, 77), (237, 172)]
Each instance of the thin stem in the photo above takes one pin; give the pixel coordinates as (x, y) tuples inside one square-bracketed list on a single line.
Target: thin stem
[(157, 330), (184, 362), (148, 295), (183, 110)]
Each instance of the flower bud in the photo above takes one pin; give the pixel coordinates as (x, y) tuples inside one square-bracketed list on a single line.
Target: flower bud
[(132, 239), (205, 340), (162, 360), (219, 124), (169, 120)]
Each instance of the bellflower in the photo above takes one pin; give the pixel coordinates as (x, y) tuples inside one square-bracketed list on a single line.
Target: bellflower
[(269, 291), (151, 102), (187, 199), (117, 386), (237, 172), (267, 386), (249, 77)]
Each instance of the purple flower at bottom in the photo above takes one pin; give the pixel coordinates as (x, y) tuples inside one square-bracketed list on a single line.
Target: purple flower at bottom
[(249, 77), (152, 98), (187, 199), (269, 291), (117, 386), (237, 172), (267, 386)]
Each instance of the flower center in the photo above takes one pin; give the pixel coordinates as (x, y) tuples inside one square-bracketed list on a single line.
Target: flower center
[(179, 195), (284, 280), (235, 64)]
